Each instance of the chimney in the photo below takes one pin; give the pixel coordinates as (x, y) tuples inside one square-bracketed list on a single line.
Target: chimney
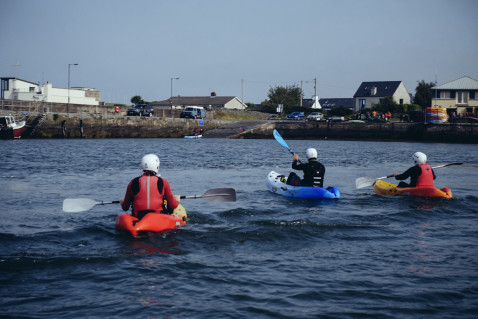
[(213, 94)]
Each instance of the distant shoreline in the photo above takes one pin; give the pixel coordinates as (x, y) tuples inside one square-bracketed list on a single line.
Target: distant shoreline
[(155, 127)]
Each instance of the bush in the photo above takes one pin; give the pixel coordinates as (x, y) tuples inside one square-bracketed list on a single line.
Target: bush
[(340, 111), (412, 107)]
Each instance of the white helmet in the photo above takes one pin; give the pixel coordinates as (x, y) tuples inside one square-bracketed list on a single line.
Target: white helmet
[(150, 162), (311, 153), (419, 158)]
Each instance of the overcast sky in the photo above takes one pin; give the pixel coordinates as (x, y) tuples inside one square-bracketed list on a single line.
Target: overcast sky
[(237, 47)]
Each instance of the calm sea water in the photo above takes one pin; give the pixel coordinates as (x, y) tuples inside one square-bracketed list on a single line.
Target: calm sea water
[(264, 256)]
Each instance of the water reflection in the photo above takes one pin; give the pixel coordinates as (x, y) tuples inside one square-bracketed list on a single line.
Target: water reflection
[(152, 243)]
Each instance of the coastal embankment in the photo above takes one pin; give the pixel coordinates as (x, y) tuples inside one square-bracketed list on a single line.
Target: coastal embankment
[(49, 120), (55, 126)]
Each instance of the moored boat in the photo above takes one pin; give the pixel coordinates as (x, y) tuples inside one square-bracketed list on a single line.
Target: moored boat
[(276, 184), (387, 189), (193, 136), (152, 222), (9, 128)]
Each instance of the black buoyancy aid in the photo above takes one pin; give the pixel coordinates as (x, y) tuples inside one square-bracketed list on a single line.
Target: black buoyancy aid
[(314, 174)]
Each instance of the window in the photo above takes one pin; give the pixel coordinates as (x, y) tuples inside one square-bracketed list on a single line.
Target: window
[(32, 89), (362, 103), (461, 97), (444, 94), (401, 101)]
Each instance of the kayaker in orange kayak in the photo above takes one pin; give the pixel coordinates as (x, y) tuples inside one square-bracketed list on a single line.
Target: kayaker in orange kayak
[(146, 193), (421, 175)]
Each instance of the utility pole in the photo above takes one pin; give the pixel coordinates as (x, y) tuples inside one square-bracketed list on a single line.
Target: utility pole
[(301, 94), (68, 105), (242, 90)]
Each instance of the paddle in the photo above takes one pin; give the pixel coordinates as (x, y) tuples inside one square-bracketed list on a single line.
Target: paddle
[(75, 205), (362, 182), (216, 195), (281, 141)]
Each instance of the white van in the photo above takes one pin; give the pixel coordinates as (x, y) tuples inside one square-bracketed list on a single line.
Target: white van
[(193, 112)]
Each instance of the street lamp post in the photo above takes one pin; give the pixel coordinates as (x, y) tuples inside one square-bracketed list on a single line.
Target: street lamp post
[(172, 85), (68, 105)]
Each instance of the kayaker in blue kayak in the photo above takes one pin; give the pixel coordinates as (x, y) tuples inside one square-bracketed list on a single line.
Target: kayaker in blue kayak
[(313, 170), (421, 175), (146, 193)]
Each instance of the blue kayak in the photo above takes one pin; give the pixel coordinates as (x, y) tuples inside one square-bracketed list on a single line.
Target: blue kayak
[(276, 184)]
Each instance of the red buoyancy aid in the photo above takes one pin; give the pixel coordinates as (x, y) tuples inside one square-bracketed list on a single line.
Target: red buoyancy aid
[(426, 177), (148, 197)]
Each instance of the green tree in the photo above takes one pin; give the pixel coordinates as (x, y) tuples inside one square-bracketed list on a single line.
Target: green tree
[(423, 94), (387, 104), (340, 111), (288, 96), (137, 100), (250, 105)]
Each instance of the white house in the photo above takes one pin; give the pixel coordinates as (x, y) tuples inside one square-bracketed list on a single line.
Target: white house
[(18, 89), (370, 93)]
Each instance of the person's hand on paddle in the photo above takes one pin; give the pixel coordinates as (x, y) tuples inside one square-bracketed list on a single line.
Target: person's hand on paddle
[(177, 197), (296, 157)]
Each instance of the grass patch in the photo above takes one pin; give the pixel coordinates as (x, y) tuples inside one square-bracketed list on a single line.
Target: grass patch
[(233, 116)]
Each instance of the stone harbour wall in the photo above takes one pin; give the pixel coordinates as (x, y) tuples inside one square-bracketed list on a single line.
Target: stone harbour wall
[(394, 131), (119, 127)]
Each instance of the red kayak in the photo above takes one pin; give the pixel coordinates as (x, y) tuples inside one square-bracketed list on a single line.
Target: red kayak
[(152, 222)]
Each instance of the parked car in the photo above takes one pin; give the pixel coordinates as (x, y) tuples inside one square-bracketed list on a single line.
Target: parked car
[(193, 112), (141, 110), (273, 117), (336, 119), (296, 115), (315, 116)]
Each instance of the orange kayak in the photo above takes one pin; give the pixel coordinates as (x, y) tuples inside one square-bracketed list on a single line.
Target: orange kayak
[(386, 189), (152, 222)]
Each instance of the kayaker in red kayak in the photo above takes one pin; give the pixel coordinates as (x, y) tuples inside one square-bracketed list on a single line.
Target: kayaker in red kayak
[(421, 175), (314, 171), (146, 193)]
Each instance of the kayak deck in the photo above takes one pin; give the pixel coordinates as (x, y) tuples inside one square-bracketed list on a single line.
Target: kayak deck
[(152, 222), (275, 183), (387, 189)]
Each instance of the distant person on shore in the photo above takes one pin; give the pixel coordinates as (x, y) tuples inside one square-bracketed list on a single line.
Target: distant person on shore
[(147, 192), (421, 175), (313, 170)]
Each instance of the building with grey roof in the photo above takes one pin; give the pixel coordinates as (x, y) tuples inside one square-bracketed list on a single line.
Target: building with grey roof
[(370, 93), (459, 96)]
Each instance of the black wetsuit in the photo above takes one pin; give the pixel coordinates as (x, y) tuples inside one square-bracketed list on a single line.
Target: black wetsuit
[(313, 172)]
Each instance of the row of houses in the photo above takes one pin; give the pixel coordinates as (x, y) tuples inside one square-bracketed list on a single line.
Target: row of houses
[(17, 89), (459, 96)]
